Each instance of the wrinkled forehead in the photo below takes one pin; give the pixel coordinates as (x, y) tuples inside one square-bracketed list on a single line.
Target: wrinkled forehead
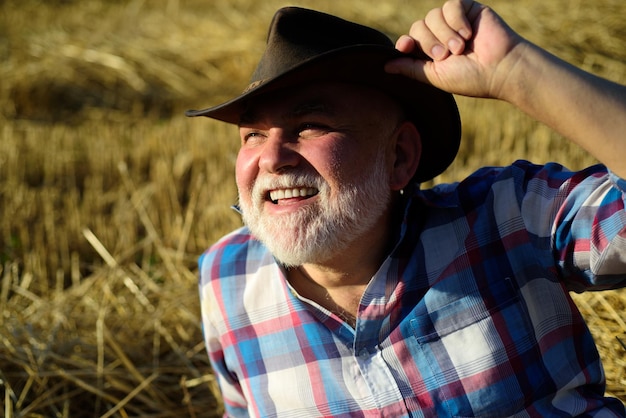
[(324, 99), (290, 108)]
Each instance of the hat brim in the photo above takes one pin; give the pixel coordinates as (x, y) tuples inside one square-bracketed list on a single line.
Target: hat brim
[(433, 111)]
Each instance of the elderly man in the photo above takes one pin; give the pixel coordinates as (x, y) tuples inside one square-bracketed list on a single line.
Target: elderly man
[(353, 292)]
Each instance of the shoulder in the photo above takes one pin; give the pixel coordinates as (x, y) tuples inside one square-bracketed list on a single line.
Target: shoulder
[(529, 192), (518, 175), (238, 277), (521, 177), (235, 254)]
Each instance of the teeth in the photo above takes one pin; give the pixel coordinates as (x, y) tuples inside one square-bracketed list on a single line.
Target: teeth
[(289, 193)]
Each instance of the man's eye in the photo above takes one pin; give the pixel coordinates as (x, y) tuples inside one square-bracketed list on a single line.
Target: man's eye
[(312, 129), (251, 136)]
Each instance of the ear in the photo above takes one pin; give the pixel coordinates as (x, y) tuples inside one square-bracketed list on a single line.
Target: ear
[(406, 155)]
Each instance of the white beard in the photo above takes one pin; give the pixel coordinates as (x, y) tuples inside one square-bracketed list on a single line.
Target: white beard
[(319, 231)]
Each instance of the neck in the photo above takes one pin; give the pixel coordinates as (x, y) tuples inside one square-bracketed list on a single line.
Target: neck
[(339, 297), (338, 284)]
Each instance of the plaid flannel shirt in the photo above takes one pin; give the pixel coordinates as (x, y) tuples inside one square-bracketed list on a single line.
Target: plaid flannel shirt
[(469, 316)]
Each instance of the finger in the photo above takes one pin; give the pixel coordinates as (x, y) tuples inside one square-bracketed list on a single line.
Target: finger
[(406, 44), (444, 36), (427, 41), (410, 46), (413, 68), (455, 13)]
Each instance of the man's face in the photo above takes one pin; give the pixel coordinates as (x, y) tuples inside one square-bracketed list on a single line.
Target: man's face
[(313, 169)]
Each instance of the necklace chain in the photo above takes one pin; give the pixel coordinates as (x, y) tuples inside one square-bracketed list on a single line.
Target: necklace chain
[(330, 303)]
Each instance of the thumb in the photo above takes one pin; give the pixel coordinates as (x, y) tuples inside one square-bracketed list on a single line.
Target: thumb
[(408, 67)]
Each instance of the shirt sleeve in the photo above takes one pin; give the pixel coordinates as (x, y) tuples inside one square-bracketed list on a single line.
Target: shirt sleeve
[(589, 230), (232, 396), (235, 404)]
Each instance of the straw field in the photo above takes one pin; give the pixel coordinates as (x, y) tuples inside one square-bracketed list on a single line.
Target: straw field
[(108, 194)]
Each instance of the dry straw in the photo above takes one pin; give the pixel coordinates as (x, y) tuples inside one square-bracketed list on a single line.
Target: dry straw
[(109, 195)]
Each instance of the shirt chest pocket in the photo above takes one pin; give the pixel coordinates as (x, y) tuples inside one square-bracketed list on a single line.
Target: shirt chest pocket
[(478, 356)]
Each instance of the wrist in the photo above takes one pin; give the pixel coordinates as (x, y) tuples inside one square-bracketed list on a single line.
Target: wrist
[(514, 77)]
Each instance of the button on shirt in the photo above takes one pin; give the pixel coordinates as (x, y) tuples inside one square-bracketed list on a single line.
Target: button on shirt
[(469, 316)]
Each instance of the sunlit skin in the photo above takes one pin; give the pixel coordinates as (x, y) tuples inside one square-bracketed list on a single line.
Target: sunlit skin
[(319, 129), (474, 53), (333, 131)]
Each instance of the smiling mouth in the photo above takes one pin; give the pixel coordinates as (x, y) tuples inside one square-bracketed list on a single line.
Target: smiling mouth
[(296, 192)]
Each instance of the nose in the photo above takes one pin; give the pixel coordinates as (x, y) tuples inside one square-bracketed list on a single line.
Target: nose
[(279, 152)]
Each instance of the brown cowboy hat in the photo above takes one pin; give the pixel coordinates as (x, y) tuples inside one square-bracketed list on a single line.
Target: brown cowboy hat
[(307, 46)]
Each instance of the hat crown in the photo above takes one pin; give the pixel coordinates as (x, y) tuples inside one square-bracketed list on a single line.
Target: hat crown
[(306, 46), (297, 35)]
